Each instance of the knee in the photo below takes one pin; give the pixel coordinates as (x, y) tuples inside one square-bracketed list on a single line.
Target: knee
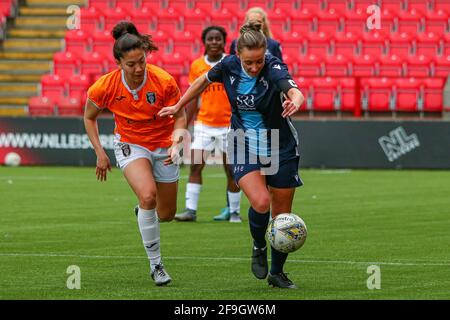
[(262, 204), (196, 169), (148, 200), (167, 215)]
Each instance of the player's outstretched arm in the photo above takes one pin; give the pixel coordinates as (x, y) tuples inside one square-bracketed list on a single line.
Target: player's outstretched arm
[(197, 87), (91, 113), (293, 102), (180, 125)]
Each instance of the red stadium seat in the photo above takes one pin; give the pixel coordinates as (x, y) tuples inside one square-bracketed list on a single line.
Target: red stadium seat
[(374, 43), (345, 43), (114, 16), (53, 86), (328, 21), (378, 94), (420, 5), (364, 4), (127, 4), (174, 63), (441, 66), (442, 5), (41, 106), (78, 86), (292, 42), (387, 20), (101, 4), (437, 22), (355, 21), (91, 19), (103, 42), (162, 40), (77, 41), (432, 96), (409, 21), (194, 20), (69, 106), (247, 4), (301, 21), (338, 5), (363, 66), (304, 84), (400, 44), (445, 44), (325, 94), (407, 94), (318, 43), (225, 18), (390, 66), (65, 64), (184, 83), (313, 5), (92, 63), (427, 43), (168, 20), (278, 19), (310, 66), (206, 5), (418, 66), (336, 66), (187, 43), (347, 94), (393, 6), (141, 18), (152, 4)]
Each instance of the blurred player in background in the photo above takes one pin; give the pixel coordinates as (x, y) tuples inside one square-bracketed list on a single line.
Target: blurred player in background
[(210, 129), (255, 83), (144, 147), (257, 15)]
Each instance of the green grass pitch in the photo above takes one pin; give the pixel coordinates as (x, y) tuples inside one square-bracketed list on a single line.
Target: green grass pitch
[(53, 218)]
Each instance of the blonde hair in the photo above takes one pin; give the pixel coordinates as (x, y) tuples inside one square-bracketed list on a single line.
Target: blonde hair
[(251, 37), (266, 23)]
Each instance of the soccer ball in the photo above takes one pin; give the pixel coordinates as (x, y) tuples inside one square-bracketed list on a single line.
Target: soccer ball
[(12, 159), (286, 232)]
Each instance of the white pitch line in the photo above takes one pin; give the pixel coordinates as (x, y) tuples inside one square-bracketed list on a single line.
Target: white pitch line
[(423, 264)]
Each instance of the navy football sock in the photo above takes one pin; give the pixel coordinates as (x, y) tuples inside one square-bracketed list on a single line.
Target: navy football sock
[(278, 260), (258, 224)]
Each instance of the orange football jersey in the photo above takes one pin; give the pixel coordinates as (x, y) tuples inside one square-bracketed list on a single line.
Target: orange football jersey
[(215, 109), (137, 121)]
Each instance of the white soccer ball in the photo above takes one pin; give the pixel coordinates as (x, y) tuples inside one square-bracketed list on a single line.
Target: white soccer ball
[(12, 159), (287, 232)]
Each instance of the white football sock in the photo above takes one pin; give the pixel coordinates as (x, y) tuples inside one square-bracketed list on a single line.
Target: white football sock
[(192, 195), (149, 227), (234, 198)]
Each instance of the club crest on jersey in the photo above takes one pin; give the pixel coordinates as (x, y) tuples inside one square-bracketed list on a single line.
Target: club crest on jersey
[(126, 150), (151, 97)]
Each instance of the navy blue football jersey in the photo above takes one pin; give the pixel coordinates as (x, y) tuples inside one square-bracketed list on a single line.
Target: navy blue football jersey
[(266, 97)]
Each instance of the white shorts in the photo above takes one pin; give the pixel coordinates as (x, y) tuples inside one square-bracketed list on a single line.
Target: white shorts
[(209, 138), (128, 152)]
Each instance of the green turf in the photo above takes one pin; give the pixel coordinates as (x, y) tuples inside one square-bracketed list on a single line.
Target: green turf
[(52, 218)]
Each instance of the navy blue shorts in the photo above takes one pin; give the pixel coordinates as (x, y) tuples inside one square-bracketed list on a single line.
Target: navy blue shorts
[(287, 175)]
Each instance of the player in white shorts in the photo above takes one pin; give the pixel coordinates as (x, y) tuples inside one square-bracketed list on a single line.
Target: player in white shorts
[(210, 130)]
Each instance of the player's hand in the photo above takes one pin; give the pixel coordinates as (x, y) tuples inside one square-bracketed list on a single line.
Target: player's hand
[(289, 108), (168, 111), (175, 153), (103, 166)]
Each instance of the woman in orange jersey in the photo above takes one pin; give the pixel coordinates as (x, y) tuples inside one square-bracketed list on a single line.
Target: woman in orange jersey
[(210, 129), (146, 145)]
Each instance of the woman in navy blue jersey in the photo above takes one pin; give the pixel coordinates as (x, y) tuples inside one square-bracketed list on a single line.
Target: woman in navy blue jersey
[(257, 15), (262, 142)]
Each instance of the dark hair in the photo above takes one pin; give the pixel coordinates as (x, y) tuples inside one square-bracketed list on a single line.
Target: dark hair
[(218, 28), (251, 37), (128, 38)]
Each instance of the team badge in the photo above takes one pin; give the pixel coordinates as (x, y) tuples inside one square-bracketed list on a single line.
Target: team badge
[(151, 97), (126, 150)]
